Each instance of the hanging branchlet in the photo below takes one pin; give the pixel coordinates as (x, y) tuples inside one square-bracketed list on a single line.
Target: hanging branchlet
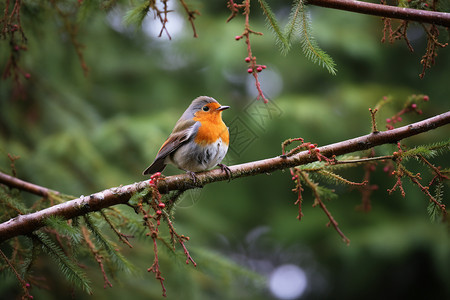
[(299, 25), (71, 28), (298, 189), (318, 194), (25, 285), (401, 32), (419, 153), (153, 211), (253, 67), (439, 175), (11, 29), (152, 221), (137, 15), (98, 257), (367, 189), (302, 175), (428, 59), (160, 11), (396, 34), (122, 237), (153, 232), (415, 178), (191, 16), (398, 172)]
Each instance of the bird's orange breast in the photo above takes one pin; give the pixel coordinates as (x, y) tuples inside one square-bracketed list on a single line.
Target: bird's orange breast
[(211, 129)]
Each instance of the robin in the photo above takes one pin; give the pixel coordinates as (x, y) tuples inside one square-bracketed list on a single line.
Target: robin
[(198, 142)]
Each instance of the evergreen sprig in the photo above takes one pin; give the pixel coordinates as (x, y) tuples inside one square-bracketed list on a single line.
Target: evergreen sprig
[(70, 269), (137, 14), (272, 23), (326, 193), (292, 25), (10, 203), (428, 151), (116, 257), (62, 227), (310, 47), (434, 210), (299, 24), (334, 178), (32, 253)]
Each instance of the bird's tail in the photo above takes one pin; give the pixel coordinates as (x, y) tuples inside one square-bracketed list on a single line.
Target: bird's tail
[(157, 166)]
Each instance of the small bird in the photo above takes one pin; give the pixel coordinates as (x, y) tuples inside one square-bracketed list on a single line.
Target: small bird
[(198, 142)]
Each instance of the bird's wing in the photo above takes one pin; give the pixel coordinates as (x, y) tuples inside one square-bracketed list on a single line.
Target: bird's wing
[(180, 135)]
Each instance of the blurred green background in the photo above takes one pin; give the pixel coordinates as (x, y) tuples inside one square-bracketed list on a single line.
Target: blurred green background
[(81, 134)]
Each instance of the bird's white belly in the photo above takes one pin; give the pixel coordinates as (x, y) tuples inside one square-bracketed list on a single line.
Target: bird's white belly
[(195, 158)]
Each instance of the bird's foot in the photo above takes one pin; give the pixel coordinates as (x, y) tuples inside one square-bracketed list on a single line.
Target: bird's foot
[(193, 176), (225, 169)]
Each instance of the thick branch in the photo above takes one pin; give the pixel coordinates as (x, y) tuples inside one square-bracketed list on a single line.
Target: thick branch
[(25, 186), (25, 224), (426, 16)]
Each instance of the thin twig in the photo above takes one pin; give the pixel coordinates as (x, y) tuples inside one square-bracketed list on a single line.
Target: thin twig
[(322, 205)]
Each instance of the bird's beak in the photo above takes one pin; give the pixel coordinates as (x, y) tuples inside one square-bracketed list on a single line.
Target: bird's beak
[(222, 107)]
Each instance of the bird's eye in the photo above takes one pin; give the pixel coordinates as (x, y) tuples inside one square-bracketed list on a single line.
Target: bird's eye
[(205, 108)]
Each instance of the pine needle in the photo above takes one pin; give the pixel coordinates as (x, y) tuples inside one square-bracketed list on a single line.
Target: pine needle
[(433, 210), (70, 269), (137, 15), (310, 47), (62, 227), (272, 23), (293, 24), (428, 151), (117, 258), (299, 24)]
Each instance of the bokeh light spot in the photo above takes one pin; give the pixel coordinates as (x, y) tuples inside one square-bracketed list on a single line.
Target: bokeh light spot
[(288, 282)]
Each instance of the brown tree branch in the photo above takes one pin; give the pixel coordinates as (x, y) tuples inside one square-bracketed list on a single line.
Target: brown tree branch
[(426, 16), (14, 182), (25, 224)]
